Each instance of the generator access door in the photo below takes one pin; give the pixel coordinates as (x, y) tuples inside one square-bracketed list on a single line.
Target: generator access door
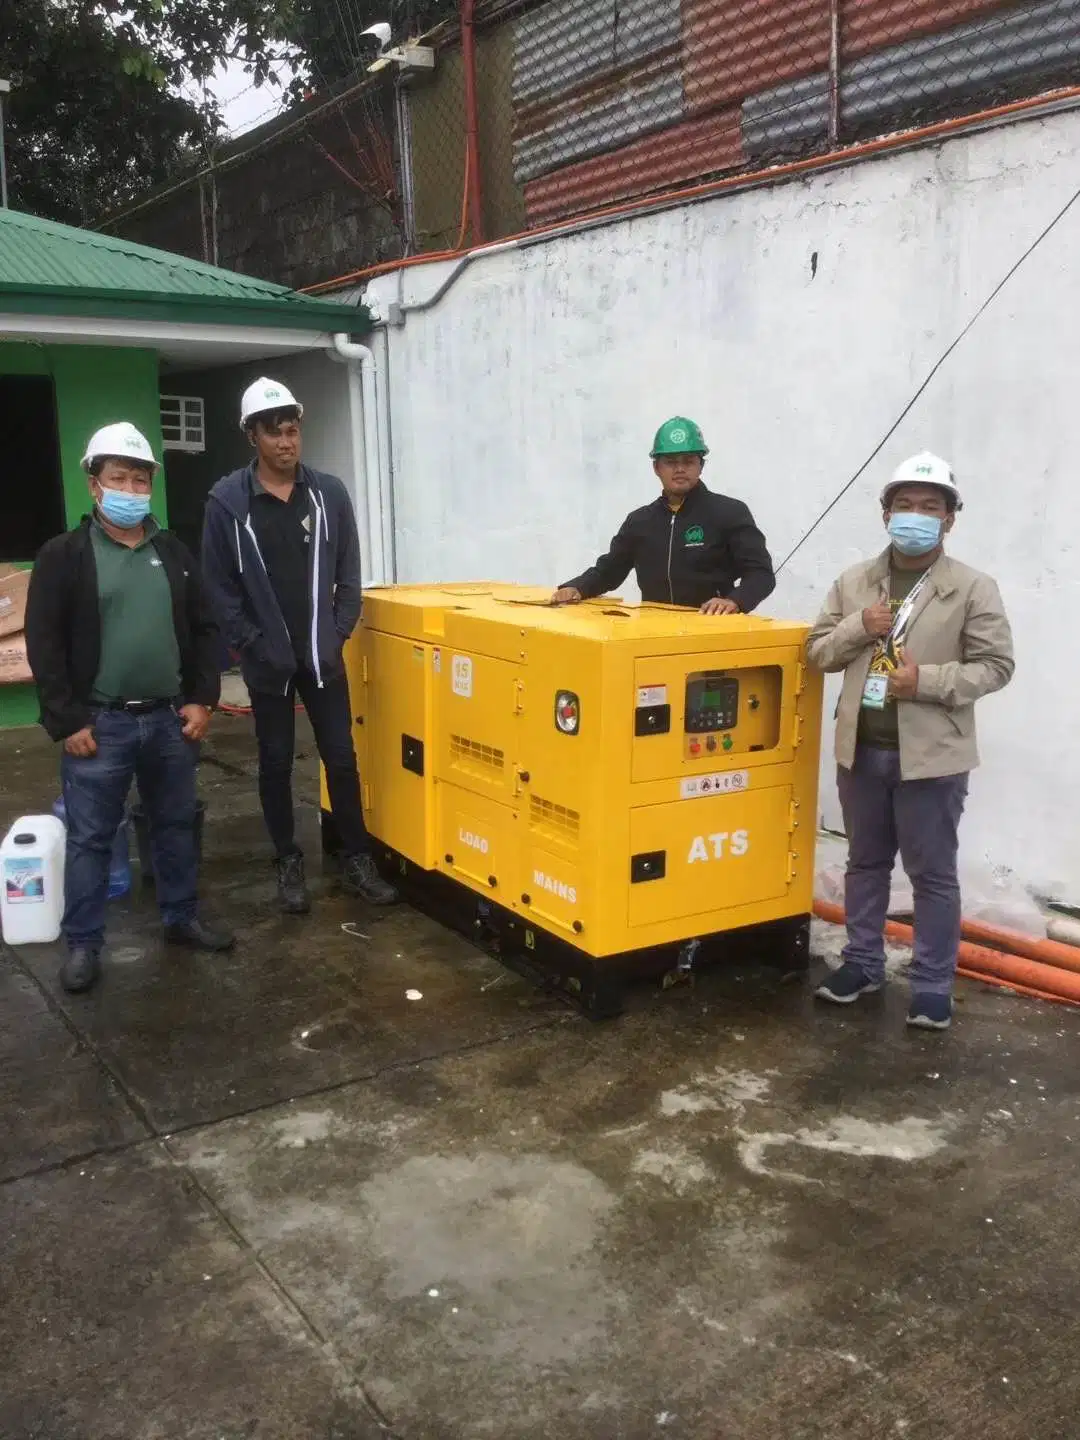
[(709, 854), (696, 714)]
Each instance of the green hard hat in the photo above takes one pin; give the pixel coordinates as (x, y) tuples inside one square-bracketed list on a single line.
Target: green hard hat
[(679, 436)]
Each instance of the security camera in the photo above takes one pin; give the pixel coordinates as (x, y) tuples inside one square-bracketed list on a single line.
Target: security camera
[(380, 32)]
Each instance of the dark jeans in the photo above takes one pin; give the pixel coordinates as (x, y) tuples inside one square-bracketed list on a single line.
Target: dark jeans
[(920, 818), (151, 750), (275, 729)]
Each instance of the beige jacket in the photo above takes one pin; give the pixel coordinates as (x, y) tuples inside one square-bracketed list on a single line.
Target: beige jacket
[(959, 637)]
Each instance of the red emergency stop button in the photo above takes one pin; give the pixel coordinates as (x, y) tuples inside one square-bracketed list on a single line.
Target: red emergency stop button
[(567, 712), (695, 747)]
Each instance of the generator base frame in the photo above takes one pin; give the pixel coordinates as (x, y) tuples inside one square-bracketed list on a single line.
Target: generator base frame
[(595, 987)]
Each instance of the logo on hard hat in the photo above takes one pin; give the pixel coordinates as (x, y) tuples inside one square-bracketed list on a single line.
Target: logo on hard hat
[(272, 392), (679, 436), (924, 469)]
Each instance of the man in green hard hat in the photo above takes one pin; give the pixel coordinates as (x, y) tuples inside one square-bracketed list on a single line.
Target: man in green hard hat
[(690, 547)]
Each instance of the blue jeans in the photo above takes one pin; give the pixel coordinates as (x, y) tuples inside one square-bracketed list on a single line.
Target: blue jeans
[(151, 749), (921, 819)]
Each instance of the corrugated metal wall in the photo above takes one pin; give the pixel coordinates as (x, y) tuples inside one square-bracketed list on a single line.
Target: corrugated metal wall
[(733, 47), (591, 75), (920, 79), (676, 155), (602, 100), (868, 24)]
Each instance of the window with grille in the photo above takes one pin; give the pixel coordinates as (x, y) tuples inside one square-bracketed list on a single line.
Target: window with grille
[(183, 423)]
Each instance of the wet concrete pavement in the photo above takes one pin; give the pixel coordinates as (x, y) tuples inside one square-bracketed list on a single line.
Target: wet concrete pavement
[(271, 1196)]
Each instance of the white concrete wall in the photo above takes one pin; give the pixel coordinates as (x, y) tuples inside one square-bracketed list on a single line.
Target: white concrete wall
[(524, 403)]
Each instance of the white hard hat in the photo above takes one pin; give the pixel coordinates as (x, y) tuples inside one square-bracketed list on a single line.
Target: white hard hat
[(122, 442), (923, 469), (263, 395)]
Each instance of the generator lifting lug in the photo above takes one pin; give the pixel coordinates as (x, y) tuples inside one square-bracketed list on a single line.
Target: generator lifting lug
[(683, 972)]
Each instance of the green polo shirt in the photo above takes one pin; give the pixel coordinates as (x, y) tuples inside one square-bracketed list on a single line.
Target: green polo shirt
[(140, 659)]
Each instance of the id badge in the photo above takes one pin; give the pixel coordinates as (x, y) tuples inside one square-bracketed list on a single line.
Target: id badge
[(875, 692)]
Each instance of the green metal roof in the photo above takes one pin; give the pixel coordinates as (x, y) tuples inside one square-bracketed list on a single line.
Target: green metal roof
[(51, 269)]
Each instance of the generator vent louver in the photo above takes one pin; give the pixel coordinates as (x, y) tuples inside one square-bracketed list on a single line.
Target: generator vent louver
[(470, 754), (556, 821)]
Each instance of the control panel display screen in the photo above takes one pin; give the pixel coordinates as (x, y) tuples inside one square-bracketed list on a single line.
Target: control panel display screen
[(712, 703)]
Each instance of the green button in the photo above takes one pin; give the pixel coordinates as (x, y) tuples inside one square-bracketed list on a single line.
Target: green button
[(728, 742)]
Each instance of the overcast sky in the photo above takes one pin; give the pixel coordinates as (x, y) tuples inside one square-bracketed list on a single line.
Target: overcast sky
[(242, 105)]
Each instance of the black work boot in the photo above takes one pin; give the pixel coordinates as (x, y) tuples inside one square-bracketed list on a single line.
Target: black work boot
[(81, 968), (361, 878), (291, 887), (197, 936)]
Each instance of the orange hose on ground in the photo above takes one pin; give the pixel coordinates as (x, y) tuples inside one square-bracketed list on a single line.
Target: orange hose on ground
[(992, 967), (1015, 942)]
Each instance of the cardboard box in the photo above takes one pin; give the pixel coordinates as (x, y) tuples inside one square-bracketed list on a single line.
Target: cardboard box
[(14, 587), (14, 667)]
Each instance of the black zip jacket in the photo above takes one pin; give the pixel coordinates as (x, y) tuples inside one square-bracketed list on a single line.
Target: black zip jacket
[(244, 600), (63, 628), (710, 546)]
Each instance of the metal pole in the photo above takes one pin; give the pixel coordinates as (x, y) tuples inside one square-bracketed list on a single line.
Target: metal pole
[(834, 74), (4, 88), (405, 166), (472, 126)]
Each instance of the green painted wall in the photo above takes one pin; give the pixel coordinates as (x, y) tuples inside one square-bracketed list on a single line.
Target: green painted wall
[(95, 385), (98, 385)]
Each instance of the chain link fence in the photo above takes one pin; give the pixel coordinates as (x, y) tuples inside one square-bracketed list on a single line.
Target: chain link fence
[(587, 104)]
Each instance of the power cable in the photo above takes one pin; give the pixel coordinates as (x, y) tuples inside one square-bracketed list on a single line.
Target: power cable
[(906, 411)]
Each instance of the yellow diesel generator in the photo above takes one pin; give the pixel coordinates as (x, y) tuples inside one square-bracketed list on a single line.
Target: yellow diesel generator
[(594, 790)]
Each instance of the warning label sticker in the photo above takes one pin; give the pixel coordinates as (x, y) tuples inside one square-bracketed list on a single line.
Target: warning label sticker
[(650, 695), (726, 784)]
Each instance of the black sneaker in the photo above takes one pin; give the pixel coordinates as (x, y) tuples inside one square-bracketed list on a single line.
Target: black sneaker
[(197, 936), (361, 878), (291, 886), (80, 970)]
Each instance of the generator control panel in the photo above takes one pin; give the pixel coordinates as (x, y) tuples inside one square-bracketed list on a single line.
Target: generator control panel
[(730, 712), (712, 703)]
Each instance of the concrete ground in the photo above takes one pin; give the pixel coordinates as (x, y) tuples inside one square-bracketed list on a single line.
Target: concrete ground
[(270, 1196)]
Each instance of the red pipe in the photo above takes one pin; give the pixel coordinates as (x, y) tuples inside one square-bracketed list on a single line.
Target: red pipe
[(472, 121)]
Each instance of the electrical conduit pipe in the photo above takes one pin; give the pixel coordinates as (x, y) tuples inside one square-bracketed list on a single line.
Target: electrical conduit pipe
[(1045, 981), (472, 118), (363, 420)]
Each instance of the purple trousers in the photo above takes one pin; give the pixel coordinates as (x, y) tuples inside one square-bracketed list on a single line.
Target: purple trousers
[(920, 818)]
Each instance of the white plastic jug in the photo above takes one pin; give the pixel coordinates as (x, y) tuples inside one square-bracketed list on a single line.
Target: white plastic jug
[(32, 880)]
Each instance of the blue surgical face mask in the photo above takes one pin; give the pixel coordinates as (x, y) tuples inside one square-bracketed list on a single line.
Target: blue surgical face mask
[(122, 509), (914, 534)]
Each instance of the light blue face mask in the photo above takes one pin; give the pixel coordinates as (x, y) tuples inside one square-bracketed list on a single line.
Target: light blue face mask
[(122, 509), (914, 534)]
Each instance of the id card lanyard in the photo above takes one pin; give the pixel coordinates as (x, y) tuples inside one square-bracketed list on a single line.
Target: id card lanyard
[(876, 689)]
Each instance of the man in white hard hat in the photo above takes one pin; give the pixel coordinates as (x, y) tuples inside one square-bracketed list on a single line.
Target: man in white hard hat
[(919, 638), (281, 555), (124, 655)]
